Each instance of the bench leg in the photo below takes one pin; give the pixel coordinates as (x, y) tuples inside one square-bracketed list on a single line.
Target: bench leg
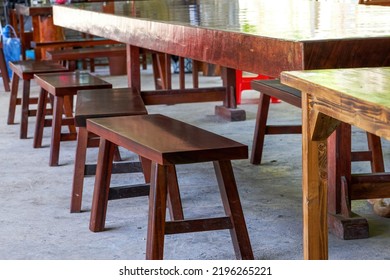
[(157, 212), (260, 128), (40, 118), (68, 111), (79, 167), (102, 185), (233, 209), (25, 109), (342, 221), (56, 130), (174, 199), (13, 99), (146, 167), (377, 165), (117, 155), (375, 147)]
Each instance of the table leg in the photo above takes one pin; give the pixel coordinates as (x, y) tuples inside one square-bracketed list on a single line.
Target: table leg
[(342, 221), (133, 67), (44, 30), (314, 185), (229, 108)]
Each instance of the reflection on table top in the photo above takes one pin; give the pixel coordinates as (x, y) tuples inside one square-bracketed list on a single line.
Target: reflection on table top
[(252, 35), (284, 19), (346, 84)]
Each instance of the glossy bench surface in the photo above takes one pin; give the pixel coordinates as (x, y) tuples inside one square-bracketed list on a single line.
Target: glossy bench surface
[(279, 91), (165, 140), (30, 67), (100, 103), (64, 83), (75, 54)]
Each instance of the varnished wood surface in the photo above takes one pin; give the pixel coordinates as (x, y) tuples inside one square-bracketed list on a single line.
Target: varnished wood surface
[(375, 2), (260, 37), (342, 95), (167, 142), (328, 97), (75, 54), (26, 69), (100, 103), (63, 83), (177, 142), (43, 28)]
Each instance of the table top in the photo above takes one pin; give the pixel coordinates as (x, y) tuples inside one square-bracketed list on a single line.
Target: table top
[(253, 35), (341, 94)]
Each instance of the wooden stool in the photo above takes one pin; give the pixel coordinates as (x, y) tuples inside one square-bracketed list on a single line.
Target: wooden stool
[(26, 70), (61, 87), (94, 104), (166, 142)]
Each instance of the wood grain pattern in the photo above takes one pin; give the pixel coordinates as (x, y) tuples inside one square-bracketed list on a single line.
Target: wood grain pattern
[(275, 39), (183, 143), (342, 95), (258, 39)]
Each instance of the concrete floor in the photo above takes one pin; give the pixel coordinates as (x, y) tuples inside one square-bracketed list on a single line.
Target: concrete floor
[(35, 222)]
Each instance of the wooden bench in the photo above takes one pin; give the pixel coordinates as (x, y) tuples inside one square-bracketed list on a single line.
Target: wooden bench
[(72, 55), (25, 70), (93, 104), (43, 47), (77, 43), (61, 88), (165, 142)]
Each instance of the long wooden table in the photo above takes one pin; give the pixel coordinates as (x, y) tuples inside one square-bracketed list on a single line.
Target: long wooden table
[(257, 36), (330, 97)]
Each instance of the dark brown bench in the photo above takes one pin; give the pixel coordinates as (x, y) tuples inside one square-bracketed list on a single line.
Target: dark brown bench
[(78, 43), (25, 70), (93, 104), (72, 55), (60, 89), (164, 143), (273, 88)]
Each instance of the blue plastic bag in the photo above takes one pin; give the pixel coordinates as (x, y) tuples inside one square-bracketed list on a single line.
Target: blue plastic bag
[(12, 46)]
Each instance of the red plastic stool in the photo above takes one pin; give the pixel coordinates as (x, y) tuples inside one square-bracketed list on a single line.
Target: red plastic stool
[(244, 83)]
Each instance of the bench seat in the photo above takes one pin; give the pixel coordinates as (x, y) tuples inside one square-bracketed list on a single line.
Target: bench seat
[(83, 53), (165, 142)]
